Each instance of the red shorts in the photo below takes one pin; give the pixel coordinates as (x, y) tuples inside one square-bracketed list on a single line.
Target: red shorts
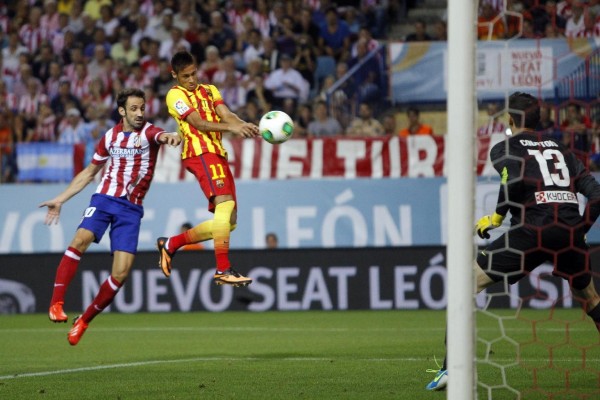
[(213, 173)]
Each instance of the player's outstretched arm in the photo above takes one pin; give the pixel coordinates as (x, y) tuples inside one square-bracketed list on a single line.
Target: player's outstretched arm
[(237, 125), (170, 138), (80, 181)]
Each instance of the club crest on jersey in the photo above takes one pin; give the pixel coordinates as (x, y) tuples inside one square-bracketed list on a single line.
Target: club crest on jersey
[(181, 107), (137, 141), (220, 184)]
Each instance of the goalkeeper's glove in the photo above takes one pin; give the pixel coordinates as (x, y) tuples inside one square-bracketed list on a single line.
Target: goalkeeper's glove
[(487, 223)]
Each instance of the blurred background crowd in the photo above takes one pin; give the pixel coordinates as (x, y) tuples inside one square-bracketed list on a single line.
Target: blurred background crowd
[(324, 63)]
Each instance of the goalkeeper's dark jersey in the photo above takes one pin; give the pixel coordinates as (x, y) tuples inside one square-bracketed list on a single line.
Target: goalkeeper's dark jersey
[(540, 182)]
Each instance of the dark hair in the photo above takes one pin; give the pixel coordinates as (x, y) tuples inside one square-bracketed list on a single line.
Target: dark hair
[(127, 93), (413, 110), (524, 109), (182, 59), (187, 226)]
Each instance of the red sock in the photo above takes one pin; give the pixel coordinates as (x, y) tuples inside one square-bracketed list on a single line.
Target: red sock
[(177, 241), (105, 296), (64, 273)]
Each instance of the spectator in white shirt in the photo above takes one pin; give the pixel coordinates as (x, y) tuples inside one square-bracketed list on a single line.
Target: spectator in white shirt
[(287, 83)]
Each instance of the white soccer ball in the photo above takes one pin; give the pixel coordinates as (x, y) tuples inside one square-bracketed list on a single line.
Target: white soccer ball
[(276, 127)]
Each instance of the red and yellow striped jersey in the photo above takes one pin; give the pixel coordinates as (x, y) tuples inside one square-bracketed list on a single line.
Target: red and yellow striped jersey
[(205, 100)]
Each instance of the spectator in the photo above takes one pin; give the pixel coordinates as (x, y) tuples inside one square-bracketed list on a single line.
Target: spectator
[(335, 36), (53, 81), (185, 11), (261, 18), (440, 31), (286, 40), (287, 83), (211, 64), (81, 85), (251, 113), (576, 22), (62, 37), (108, 23), (98, 98), (124, 50), (164, 81), (99, 39), (270, 56), (489, 25), (322, 124), (493, 125), (306, 25), (222, 35), (226, 67), (365, 125), (130, 15), (96, 66), (236, 14), (176, 42), (152, 104), (8, 166), (41, 64), (271, 241), (547, 123), (10, 56), (389, 124), (163, 31), (64, 99), (254, 48), (366, 78), (364, 35), (8, 100), (92, 8), (302, 120), (144, 30), (420, 32), (49, 19), (545, 18), (305, 60), (151, 61), (576, 128), (76, 18), (260, 95), (28, 108), (353, 19), (415, 127), (45, 126), (86, 36), (31, 34), (73, 129), (137, 78)]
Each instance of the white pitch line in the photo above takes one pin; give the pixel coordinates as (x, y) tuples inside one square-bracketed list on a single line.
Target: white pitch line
[(186, 360)]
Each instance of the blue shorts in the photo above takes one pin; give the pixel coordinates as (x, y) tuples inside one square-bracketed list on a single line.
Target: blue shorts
[(123, 217)]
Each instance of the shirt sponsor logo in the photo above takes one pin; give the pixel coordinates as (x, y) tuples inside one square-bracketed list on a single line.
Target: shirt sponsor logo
[(119, 152), (181, 107), (555, 196)]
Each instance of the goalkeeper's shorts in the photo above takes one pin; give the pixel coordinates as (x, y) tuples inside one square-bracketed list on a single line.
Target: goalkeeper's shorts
[(520, 250)]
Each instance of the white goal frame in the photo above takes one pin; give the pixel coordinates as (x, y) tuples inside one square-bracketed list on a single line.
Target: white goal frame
[(461, 107)]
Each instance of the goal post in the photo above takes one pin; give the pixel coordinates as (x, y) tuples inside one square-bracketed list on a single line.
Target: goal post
[(461, 102)]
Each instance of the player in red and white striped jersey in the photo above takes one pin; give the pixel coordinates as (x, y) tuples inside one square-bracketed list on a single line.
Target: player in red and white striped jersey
[(128, 152)]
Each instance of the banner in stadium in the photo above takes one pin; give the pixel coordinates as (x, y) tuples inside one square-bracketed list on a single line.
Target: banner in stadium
[(284, 280), (304, 213), (419, 70)]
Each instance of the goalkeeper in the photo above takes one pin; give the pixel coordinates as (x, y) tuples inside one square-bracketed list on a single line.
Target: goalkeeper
[(540, 179)]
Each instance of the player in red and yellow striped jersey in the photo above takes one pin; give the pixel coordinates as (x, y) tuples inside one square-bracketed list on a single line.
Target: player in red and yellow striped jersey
[(203, 116)]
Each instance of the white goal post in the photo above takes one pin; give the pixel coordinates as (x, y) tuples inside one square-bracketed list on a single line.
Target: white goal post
[(461, 103)]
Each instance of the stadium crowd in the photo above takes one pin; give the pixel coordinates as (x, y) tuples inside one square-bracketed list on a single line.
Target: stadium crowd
[(63, 61)]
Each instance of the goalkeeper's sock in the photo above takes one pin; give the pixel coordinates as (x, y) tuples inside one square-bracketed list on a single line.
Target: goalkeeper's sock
[(221, 231), (199, 233), (594, 314), (64, 273), (106, 294)]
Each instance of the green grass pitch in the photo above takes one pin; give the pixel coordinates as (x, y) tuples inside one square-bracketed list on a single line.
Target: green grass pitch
[(291, 355)]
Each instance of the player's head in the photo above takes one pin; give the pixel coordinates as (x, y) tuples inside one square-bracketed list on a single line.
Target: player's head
[(185, 70), (131, 104), (524, 111)]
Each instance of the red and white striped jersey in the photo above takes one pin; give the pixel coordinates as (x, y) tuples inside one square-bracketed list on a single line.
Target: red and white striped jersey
[(131, 158)]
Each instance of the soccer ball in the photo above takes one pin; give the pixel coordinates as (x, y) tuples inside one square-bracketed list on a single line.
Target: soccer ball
[(276, 127)]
